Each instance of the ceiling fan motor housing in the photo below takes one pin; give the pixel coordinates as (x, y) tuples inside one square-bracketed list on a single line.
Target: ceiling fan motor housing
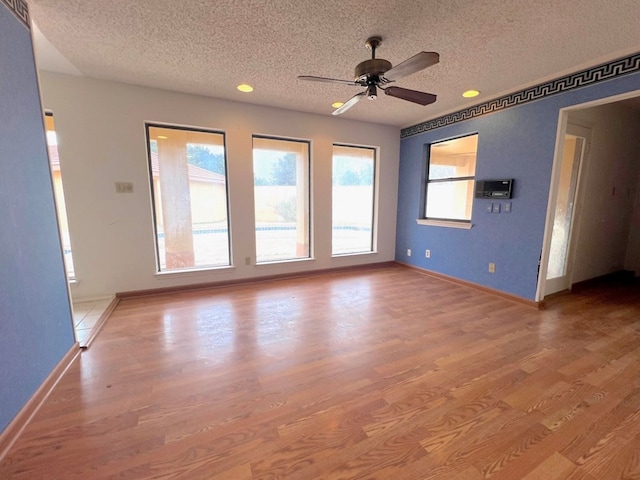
[(374, 67)]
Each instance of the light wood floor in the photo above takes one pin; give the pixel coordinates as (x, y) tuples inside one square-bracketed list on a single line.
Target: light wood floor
[(381, 373)]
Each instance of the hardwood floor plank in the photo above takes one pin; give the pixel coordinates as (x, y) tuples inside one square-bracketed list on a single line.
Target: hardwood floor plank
[(555, 467), (383, 373)]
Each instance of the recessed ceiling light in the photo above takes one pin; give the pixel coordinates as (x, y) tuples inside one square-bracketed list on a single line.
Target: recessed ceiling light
[(162, 137), (471, 93), (337, 104), (245, 88)]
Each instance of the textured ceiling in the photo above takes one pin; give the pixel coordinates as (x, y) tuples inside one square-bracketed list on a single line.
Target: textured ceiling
[(209, 47)]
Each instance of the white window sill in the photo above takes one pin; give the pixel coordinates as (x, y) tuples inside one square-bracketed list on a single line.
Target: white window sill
[(444, 223), (352, 254), (284, 262), (193, 272)]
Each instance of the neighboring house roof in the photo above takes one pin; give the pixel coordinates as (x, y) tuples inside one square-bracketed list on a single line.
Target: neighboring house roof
[(196, 174)]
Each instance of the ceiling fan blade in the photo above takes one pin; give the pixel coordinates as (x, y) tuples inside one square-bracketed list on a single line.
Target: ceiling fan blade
[(349, 103), (326, 80), (412, 65), (410, 95)]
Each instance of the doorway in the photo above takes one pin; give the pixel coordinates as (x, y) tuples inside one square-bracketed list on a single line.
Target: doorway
[(594, 198), (90, 314)]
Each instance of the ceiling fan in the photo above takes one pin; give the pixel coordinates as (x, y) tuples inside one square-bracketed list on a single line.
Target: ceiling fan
[(378, 73)]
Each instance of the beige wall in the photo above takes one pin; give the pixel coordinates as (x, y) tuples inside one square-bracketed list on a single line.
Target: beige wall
[(100, 128), (357, 197), (208, 203), (267, 199)]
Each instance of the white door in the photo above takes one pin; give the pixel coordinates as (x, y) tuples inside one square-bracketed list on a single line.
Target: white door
[(559, 267)]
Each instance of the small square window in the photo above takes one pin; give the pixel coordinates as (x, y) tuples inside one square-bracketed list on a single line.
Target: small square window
[(450, 179)]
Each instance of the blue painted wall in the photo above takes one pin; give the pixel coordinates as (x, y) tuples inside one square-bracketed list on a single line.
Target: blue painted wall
[(516, 143), (35, 318)]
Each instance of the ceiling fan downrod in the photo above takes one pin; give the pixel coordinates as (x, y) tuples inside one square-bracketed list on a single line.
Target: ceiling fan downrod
[(372, 43)]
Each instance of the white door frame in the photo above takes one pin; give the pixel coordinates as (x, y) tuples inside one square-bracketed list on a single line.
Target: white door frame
[(563, 120)]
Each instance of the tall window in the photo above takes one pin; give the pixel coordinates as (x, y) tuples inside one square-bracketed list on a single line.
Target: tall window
[(452, 168), (58, 191), (281, 193), (189, 189), (353, 198)]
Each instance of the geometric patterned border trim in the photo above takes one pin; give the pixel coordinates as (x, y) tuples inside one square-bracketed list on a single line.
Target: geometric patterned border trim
[(20, 10), (590, 76)]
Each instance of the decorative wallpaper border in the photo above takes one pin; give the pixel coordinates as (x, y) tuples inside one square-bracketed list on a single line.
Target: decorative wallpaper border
[(20, 10), (590, 76)]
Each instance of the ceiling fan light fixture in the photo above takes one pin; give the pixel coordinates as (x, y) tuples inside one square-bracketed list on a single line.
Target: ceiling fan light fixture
[(244, 87), (378, 72), (470, 93), (337, 104)]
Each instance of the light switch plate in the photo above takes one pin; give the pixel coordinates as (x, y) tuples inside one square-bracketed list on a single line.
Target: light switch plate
[(124, 187)]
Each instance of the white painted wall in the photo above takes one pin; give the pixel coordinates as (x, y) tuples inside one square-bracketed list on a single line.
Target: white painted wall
[(101, 137), (611, 181)]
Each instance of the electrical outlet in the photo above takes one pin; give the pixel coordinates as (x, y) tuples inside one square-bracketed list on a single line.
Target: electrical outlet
[(492, 268), (506, 208), (427, 253), (408, 252), (247, 260)]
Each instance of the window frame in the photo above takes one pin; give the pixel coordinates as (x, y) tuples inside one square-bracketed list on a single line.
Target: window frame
[(153, 198), (443, 221), (374, 186), (308, 149)]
